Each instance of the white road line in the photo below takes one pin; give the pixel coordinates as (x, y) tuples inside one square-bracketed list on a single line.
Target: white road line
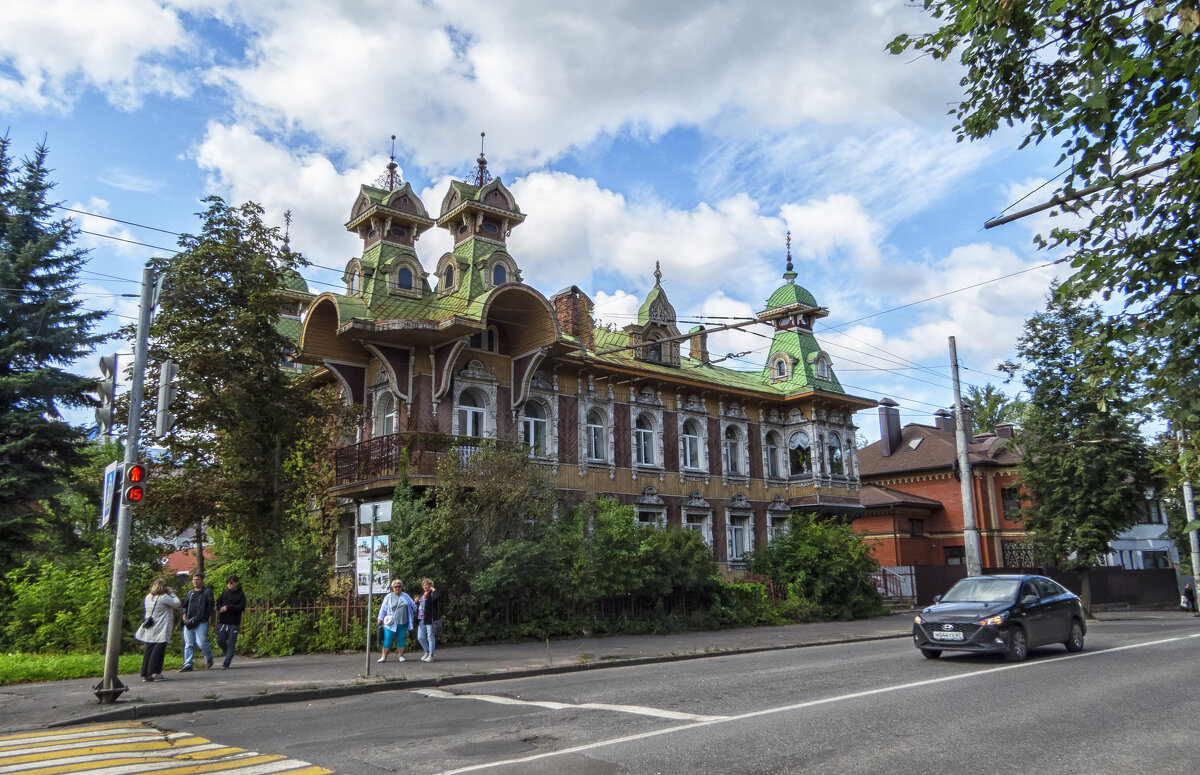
[(801, 705), (639, 710)]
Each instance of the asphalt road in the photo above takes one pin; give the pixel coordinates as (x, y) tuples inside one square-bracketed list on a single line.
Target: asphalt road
[(1126, 704)]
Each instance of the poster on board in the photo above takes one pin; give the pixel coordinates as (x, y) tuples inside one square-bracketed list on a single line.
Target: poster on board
[(371, 560)]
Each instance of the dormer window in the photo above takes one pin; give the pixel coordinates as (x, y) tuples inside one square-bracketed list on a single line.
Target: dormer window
[(355, 283), (823, 367), (448, 278), (654, 352), (499, 274), (404, 278), (781, 369)]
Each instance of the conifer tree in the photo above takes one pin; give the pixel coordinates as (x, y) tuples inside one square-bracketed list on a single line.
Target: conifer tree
[(43, 329), (1084, 467)]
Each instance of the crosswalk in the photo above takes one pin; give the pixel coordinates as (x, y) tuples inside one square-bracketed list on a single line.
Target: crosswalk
[(127, 748)]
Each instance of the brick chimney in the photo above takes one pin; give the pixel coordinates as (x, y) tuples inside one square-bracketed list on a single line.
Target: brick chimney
[(699, 344), (889, 427), (943, 420), (1004, 430), (573, 309)]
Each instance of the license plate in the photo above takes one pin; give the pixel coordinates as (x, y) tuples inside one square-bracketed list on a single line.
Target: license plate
[(939, 635)]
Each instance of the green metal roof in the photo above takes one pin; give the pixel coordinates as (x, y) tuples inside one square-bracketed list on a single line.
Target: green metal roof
[(790, 294)]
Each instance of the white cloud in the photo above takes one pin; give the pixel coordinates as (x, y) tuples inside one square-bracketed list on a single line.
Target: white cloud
[(55, 49), (129, 180), (106, 234)]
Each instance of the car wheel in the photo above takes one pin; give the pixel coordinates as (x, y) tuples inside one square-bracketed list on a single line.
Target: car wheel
[(1018, 647), (931, 653), (1075, 642)]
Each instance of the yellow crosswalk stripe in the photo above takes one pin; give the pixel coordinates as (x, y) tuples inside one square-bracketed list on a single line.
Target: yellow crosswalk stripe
[(130, 749)]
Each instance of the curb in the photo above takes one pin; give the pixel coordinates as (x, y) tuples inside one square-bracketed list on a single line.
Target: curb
[(154, 709)]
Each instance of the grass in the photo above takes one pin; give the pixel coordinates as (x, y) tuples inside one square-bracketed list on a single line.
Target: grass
[(18, 668)]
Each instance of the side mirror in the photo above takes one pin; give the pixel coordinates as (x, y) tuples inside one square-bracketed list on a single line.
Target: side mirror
[(937, 599), (1029, 600)]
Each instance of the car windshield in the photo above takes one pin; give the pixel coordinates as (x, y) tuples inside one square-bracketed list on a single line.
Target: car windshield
[(982, 591)]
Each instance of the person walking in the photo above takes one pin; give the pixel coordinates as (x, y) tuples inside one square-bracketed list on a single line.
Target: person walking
[(395, 616), (429, 618), (230, 605), (157, 622), (198, 607), (1189, 595)]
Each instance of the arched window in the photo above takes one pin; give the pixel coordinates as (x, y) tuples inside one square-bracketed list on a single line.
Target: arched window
[(448, 278), (691, 444), (597, 449), (654, 352), (493, 339), (470, 414), (404, 278), (643, 442), (835, 454), (384, 414), (533, 428), (823, 366), (800, 454), (355, 283), (772, 455), (733, 450), (781, 368), (499, 275)]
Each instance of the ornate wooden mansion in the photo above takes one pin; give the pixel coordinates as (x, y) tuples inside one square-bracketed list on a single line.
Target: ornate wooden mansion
[(639, 414)]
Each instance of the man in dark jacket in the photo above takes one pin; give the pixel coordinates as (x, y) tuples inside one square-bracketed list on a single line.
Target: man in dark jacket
[(197, 609), (230, 605)]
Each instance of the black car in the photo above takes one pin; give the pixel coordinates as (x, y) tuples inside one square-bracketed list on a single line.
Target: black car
[(1009, 614)]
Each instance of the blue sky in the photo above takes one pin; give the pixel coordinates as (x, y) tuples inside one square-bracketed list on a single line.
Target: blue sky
[(693, 134)]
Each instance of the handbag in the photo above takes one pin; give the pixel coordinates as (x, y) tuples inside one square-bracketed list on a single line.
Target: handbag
[(1183, 603), (148, 622)]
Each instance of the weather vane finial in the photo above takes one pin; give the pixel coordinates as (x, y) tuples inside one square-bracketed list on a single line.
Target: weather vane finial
[(657, 273), (390, 179), (789, 250), (287, 227), (482, 175)]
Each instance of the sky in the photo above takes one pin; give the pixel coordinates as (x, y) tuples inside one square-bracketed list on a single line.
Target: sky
[(692, 134)]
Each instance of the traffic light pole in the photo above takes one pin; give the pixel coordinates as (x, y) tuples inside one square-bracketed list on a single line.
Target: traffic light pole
[(110, 687)]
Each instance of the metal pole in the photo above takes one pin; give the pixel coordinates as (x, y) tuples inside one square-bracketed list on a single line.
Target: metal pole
[(970, 533), (370, 582), (1189, 509), (110, 687)]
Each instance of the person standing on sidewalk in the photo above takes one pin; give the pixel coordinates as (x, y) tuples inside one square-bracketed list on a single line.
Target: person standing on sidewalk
[(429, 618), (157, 623), (395, 616), (198, 607), (1189, 595), (230, 605)]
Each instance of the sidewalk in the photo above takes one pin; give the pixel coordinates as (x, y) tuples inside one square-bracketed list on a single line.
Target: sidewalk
[(315, 676)]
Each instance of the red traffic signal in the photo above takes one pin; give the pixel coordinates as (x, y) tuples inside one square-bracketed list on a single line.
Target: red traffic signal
[(133, 488)]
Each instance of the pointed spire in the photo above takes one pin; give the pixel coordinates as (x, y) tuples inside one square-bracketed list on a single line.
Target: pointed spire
[(657, 274), (287, 227), (482, 176), (790, 274)]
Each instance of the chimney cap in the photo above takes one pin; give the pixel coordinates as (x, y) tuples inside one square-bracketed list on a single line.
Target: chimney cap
[(885, 401)]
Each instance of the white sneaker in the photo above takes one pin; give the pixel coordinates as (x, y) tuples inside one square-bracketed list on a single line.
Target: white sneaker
[(429, 658), (400, 658), (380, 660)]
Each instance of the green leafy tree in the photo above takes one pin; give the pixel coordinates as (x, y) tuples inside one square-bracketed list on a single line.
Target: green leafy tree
[(43, 328), (1083, 466), (826, 562), (1117, 83), (239, 414), (990, 407)]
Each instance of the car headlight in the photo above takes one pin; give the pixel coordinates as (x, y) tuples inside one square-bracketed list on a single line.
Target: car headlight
[(994, 621), (918, 620)]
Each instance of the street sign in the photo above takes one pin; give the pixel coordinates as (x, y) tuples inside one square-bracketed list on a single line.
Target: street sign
[(371, 560), (108, 497), (380, 511)]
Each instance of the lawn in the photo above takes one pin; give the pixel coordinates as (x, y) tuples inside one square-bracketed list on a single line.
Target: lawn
[(18, 668)]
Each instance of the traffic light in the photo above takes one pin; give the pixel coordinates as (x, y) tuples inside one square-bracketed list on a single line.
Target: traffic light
[(133, 483), (166, 394), (106, 386)]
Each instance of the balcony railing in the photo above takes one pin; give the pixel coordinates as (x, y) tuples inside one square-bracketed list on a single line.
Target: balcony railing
[(383, 455)]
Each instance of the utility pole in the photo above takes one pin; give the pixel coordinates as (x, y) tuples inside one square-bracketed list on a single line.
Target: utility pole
[(970, 533), (371, 583), (1189, 509), (110, 687)]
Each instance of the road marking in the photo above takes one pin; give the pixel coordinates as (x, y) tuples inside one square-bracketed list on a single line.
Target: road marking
[(803, 705), (639, 710), (130, 749)]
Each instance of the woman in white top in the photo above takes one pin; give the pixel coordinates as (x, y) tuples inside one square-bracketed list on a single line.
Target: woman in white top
[(160, 606)]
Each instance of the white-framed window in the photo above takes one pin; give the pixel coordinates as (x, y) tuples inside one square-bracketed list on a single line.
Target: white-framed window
[(834, 447), (691, 445), (733, 451), (595, 436), (470, 414), (355, 283), (741, 537), (779, 369), (651, 517), (776, 526), (383, 414), (643, 441), (533, 428), (822, 367), (700, 522), (771, 450), (800, 454)]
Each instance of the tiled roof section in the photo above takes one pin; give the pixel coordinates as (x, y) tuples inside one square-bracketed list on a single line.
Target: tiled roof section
[(289, 327), (875, 496), (293, 281), (789, 294), (925, 447), (803, 348)]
